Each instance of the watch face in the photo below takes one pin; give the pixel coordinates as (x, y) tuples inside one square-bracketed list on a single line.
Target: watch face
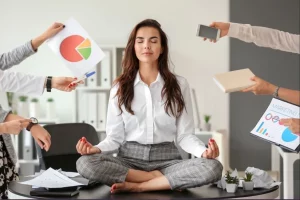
[(34, 120)]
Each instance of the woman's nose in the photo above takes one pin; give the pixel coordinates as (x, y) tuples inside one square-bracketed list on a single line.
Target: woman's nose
[(147, 46)]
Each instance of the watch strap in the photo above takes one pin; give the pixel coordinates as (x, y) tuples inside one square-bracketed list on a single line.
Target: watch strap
[(49, 83)]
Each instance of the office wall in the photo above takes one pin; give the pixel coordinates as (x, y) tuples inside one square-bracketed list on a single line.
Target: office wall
[(279, 68), (110, 22)]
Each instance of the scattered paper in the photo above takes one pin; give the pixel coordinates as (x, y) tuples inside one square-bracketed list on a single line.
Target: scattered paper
[(51, 179), (70, 174), (261, 178)]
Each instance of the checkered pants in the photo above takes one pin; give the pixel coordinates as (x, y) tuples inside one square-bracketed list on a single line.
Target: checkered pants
[(164, 157)]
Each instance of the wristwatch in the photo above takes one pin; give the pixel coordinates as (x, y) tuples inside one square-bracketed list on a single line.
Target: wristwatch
[(275, 94), (49, 83), (33, 122)]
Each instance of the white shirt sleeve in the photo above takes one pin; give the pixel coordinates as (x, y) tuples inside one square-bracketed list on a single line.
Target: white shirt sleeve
[(186, 137), (265, 37), (114, 126), (21, 83)]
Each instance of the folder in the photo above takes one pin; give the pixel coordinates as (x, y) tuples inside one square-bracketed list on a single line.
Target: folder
[(105, 70), (92, 109), (102, 109), (234, 81), (83, 108)]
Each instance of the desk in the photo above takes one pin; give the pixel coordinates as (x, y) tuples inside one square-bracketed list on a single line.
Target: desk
[(19, 191), (288, 169)]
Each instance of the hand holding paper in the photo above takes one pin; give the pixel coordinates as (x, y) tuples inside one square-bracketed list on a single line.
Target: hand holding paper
[(76, 48), (293, 124), (270, 126)]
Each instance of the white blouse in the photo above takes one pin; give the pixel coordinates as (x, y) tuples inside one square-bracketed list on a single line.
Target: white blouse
[(150, 124)]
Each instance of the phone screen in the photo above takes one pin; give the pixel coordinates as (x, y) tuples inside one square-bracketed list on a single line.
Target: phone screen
[(207, 32)]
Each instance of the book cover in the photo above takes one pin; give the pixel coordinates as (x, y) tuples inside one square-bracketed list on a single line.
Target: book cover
[(234, 81)]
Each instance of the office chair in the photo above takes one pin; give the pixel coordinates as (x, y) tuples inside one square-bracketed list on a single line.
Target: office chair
[(64, 137)]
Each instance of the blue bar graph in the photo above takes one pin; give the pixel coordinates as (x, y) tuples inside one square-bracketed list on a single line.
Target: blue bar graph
[(264, 131), (260, 126)]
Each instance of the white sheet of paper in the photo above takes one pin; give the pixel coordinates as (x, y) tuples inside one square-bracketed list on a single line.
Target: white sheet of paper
[(70, 174), (76, 48), (269, 128), (51, 179)]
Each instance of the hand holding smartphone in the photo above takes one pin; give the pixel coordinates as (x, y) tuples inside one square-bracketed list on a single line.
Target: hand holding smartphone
[(208, 32)]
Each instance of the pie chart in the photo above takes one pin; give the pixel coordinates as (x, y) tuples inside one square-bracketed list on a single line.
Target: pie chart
[(75, 48), (288, 136)]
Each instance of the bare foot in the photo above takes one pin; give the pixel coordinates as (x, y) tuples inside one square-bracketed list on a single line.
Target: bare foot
[(125, 187), (156, 173)]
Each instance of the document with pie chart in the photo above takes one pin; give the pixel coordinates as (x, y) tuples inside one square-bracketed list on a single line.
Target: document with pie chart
[(76, 48), (270, 129)]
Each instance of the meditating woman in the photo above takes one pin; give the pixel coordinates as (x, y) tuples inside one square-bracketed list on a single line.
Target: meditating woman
[(149, 112)]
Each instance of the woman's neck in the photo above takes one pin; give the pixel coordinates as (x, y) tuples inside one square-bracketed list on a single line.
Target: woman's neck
[(148, 72)]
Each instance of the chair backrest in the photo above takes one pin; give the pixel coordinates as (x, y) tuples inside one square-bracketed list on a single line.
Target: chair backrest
[(64, 137)]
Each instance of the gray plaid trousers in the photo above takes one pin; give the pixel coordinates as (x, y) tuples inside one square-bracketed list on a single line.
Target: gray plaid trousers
[(164, 157)]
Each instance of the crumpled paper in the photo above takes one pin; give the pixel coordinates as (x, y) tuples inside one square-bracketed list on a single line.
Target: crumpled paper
[(260, 178)]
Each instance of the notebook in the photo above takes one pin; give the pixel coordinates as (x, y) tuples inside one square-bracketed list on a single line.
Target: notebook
[(234, 81)]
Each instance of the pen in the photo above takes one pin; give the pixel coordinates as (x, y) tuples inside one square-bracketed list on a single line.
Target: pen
[(84, 77)]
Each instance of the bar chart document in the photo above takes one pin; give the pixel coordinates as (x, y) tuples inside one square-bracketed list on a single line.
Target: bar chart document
[(270, 129)]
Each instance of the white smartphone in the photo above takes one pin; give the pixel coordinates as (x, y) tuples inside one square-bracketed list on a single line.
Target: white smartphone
[(208, 32)]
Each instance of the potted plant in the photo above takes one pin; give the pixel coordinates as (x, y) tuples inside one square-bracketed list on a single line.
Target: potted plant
[(34, 108), (231, 183), (22, 109), (248, 184), (50, 108), (207, 125)]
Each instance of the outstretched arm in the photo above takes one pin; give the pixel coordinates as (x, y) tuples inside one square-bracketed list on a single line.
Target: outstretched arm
[(261, 36), (17, 55)]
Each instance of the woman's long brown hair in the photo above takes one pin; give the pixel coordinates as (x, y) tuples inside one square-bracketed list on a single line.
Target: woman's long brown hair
[(130, 66)]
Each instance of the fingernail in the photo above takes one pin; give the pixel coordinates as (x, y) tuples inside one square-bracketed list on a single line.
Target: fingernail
[(212, 140), (75, 78), (64, 26), (113, 187)]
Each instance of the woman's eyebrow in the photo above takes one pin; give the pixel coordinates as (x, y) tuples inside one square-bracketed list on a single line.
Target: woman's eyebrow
[(141, 38)]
